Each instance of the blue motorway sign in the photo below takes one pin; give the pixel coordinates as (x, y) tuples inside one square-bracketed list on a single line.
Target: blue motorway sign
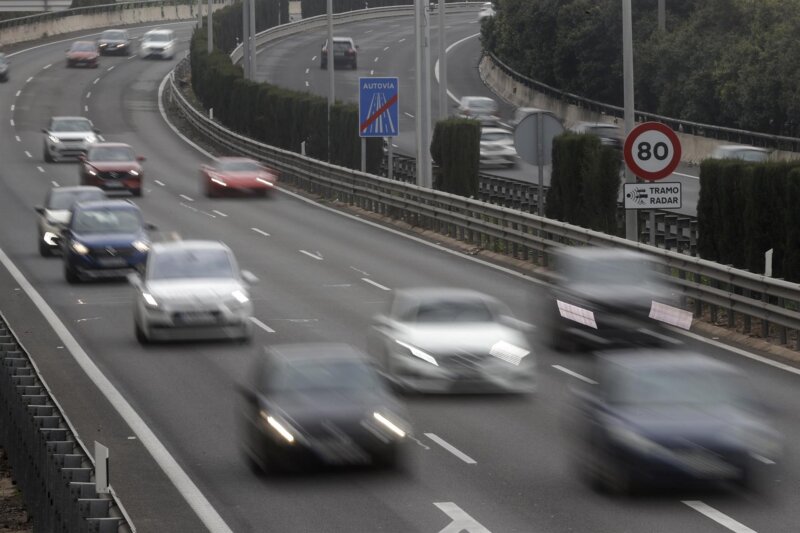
[(378, 105)]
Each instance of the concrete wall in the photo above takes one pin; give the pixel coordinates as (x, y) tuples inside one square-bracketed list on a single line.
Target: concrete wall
[(694, 148)]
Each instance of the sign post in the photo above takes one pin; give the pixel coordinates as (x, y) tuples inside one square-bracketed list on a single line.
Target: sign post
[(533, 140), (652, 152), (378, 112)]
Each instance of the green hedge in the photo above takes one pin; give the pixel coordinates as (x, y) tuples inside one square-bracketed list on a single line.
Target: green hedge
[(276, 116), (584, 184), (228, 21), (455, 149)]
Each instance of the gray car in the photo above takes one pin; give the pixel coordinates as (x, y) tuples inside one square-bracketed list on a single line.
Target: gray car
[(192, 290), (480, 108), (452, 340), (114, 42), (56, 211), (68, 138)]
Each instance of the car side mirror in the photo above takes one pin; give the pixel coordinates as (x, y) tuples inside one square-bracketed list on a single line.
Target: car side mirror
[(44, 131), (249, 277), (134, 279), (358, 47), (96, 130), (39, 209), (150, 227), (141, 158)]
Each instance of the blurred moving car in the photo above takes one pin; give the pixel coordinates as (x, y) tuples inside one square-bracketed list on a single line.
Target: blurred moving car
[(55, 214), (105, 239), (345, 52), (83, 53), (487, 11), (112, 167), (226, 174), (452, 340), (601, 297), (158, 43), (5, 67), (609, 134), (480, 108), (68, 137), (663, 418), (114, 42), (322, 402), (521, 112), (192, 290), (741, 151), (497, 148)]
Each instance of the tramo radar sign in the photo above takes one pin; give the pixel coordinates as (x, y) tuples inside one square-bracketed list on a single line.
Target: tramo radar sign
[(652, 151)]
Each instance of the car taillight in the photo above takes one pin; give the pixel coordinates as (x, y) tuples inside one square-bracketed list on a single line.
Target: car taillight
[(350, 52)]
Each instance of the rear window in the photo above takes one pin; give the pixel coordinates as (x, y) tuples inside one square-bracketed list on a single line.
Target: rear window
[(113, 35), (450, 310)]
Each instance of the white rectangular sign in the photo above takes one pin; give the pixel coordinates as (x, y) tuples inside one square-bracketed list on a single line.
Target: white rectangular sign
[(653, 195)]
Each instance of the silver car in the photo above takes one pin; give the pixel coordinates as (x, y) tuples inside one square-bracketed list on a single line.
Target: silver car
[(192, 290), (56, 211), (452, 340), (68, 138), (497, 148), (158, 43), (743, 152), (480, 108)]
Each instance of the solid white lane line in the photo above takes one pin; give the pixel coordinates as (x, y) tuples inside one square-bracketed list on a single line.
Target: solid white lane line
[(201, 506), (450, 448), (19, 92), (375, 284), (575, 374), (409, 115), (95, 81), (260, 324), (447, 51), (686, 175), (718, 517), (260, 232), (157, 182), (89, 94), (309, 254), (28, 153), (220, 213), (187, 198), (40, 169), (29, 80), (55, 184), (386, 48)]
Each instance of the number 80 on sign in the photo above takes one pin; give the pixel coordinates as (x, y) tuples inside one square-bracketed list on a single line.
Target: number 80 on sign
[(652, 151)]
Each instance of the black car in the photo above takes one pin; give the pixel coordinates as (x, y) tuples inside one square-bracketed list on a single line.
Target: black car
[(114, 42), (671, 419), (610, 134), (345, 52), (322, 403)]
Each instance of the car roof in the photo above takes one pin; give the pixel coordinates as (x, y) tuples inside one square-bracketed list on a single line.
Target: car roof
[(235, 158), (476, 99), (660, 359), (342, 39), (107, 204), (160, 30), (109, 30), (70, 118), (84, 42), (323, 351), (192, 244)]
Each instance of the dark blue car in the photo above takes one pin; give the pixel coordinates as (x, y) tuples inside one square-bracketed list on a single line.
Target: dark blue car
[(104, 239), (676, 419)]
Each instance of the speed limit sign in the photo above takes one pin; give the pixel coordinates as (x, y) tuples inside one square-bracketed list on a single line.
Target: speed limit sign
[(652, 151)]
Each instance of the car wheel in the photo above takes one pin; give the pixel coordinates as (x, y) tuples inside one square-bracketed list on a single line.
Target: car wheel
[(44, 249), (140, 335), (46, 155), (211, 192), (323, 66), (70, 275)]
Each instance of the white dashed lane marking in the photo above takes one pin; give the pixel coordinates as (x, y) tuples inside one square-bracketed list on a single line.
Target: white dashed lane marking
[(718, 517), (260, 232), (187, 198), (157, 182), (309, 254), (575, 374), (29, 80), (375, 284), (111, 68), (55, 183), (260, 324), (220, 213), (28, 153), (19, 92), (17, 138), (86, 108), (89, 94), (450, 448), (47, 66), (40, 169), (12, 107)]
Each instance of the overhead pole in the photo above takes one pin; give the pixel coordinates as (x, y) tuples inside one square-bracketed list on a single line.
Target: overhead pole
[(246, 39), (253, 67), (662, 15), (443, 102), (631, 222), (199, 13), (210, 25), (423, 94), (331, 80)]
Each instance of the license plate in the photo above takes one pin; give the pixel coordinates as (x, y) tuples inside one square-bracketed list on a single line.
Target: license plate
[(198, 317), (114, 184), (112, 262)]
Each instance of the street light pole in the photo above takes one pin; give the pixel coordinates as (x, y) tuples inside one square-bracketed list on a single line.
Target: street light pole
[(423, 94), (210, 33), (662, 15), (443, 103), (329, 64), (631, 222), (246, 39), (253, 68)]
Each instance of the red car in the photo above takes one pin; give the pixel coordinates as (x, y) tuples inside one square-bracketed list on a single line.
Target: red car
[(83, 53), (112, 167), (237, 174)]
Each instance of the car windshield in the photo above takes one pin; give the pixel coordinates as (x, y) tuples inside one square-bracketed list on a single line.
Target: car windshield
[(320, 375), (111, 153), (496, 136), (238, 166), (157, 38), (756, 156), (451, 310), (83, 46), (113, 35), (107, 221), (610, 272), (62, 200), (71, 124), (190, 264), (480, 105)]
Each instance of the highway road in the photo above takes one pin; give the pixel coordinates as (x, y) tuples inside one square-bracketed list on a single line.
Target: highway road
[(387, 49), (479, 464)]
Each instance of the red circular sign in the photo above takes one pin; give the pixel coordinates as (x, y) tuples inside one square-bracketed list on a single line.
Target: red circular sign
[(652, 151)]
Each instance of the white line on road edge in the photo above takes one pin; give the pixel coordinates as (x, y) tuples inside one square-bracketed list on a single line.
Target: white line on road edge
[(28, 153), (309, 254), (376, 284), (161, 183), (461, 521), (201, 506), (718, 517), (47, 66), (220, 213), (575, 374), (260, 324), (447, 51), (450, 448), (187, 198), (264, 233), (686, 175)]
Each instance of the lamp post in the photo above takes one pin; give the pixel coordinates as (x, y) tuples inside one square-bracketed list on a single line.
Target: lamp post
[(443, 104), (210, 33), (329, 63), (631, 222), (662, 15), (423, 94)]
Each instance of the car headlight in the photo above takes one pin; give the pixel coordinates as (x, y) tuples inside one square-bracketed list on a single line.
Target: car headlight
[(79, 248), (120, 45), (50, 238), (416, 352), (92, 172), (53, 139), (272, 423), (149, 299), (90, 139), (141, 246), (134, 172), (240, 296), (388, 424)]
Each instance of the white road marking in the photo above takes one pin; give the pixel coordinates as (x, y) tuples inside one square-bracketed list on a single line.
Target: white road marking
[(260, 324), (371, 72), (19, 92), (376, 59), (762, 459), (29, 80), (308, 69), (447, 51), (197, 210), (401, 40), (359, 271), (157, 182), (260, 232), (199, 504), (314, 58), (111, 68), (55, 184), (307, 83), (409, 115), (450, 448), (17, 138), (89, 94), (220, 213), (395, 145), (375, 284), (575, 374), (368, 31), (309, 254), (95, 81), (131, 57), (86, 108), (718, 517), (28, 153), (47, 66), (686, 175), (40, 169), (101, 138), (11, 121), (187, 198), (461, 521), (12, 107), (385, 48)]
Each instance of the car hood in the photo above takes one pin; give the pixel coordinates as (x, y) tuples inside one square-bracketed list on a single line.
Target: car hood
[(116, 240), (311, 409), (105, 166), (199, 289), (472, 337), (57, 216)]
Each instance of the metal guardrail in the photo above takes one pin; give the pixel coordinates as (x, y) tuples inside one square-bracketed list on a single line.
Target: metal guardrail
[(722, 291), (29, 6), (50, 463), (765, 140)]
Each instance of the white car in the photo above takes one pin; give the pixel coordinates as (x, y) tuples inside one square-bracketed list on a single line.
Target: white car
[(68, 138), (192, 290), (481, 108), (451, 341), (744, 152), (487, 11), (55, 214), (158, 43), (497, 148)]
